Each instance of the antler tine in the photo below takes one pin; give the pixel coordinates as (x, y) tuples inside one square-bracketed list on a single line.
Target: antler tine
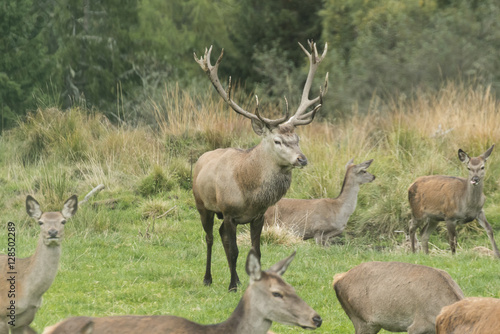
[(314, 60), (211, 71)]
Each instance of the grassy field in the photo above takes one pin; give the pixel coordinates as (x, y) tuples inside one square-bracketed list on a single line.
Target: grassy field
[(119, 258)]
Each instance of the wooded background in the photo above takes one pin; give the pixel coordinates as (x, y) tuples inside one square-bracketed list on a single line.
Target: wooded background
[(115, 55)]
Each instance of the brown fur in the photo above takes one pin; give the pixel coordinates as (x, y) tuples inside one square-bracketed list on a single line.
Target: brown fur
[(395, 296), (454, 200), (324, 218), (476, 315), (268, 298)]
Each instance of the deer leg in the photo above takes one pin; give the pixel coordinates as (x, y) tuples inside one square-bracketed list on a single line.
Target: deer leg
[(207, 220), (452, 235), (489, 231), (413, 229), (426, 233), (227, 233), (255, 232)]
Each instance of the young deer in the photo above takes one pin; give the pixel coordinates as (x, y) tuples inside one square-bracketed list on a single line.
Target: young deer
[(455, 200), (268, 298), (323, 218), (395, 296), (33, 275), (239, 185), (475, 315)]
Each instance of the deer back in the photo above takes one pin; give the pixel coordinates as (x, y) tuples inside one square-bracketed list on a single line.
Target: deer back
[(393, 295)]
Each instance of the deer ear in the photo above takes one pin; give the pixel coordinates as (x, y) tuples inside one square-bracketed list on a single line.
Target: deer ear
[(253, 266), (70, 207), (486, 154), (350, 162), (258, 126), (366, 164), (33, 208), (280, 267), (463, 156)]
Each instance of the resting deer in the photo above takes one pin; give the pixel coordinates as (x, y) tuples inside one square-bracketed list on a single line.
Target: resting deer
[(475, 315), (21, 294), (455, 200), (395, 296), (324, 218), (268, 298), (239, 185)]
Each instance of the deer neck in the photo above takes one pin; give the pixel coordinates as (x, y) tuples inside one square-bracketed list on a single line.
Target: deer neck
[(42, 269), (474, 194), (348, 195), (245, 319), (263, 180)]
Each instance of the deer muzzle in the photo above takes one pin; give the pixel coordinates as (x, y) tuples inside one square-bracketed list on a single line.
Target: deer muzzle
[(475, 180), (301, 160)]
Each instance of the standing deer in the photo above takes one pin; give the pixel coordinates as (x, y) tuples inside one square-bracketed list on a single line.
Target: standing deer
[(395, 296), (239, 185), (475, 315), (268, 298), (322, 218), (455, 200), (33, 276)]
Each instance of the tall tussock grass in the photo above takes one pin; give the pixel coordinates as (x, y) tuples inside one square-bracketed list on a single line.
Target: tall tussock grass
[(56, 152)]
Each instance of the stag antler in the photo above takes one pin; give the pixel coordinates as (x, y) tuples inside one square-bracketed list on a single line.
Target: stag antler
[(300, 118), (211, 71)]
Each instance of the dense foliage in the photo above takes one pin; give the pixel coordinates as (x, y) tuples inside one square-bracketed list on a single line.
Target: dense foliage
[(118, 55)]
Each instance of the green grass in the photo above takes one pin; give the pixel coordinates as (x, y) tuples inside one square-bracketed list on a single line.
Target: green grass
[(120, 258)]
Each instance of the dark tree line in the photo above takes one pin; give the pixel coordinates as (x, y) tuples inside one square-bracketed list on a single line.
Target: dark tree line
[(97, 52)]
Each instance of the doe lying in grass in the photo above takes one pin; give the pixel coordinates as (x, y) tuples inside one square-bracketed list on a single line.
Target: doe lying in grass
[(475, 315), (268, 298), (21, 293), (454, 200), (395, 296), (324, 218)]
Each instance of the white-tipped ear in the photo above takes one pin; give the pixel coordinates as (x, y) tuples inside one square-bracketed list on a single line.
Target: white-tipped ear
[(70, 207), (350, 162), (33, 208), (280, 267), (486, 154), (464, 157), (253, 266)]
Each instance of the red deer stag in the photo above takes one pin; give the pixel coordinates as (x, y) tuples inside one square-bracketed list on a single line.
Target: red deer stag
[(268, 298), (475, 315), (21, 292), (239, 185), (455, 200), (395, 296), (323, 218)]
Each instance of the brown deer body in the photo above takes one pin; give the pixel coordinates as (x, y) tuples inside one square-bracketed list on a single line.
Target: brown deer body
[(395, 296), (239, 185), (34, 274), (454, 200), (268, 298), (324, 218), (475, 315)]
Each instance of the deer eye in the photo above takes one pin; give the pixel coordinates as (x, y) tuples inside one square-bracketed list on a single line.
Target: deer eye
[(277, 142), (40, 222), (277, 295), (63, 222), (482, 167)]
